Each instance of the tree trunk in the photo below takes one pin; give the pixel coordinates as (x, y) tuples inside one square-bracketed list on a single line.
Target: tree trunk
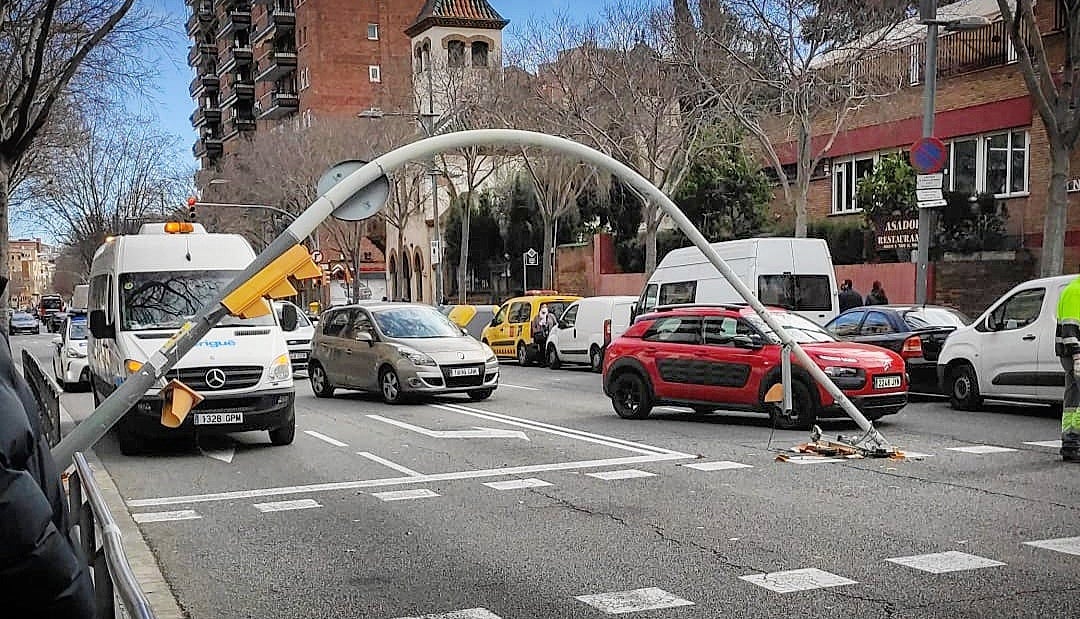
[(1057, 209), (463, 261), (802, 175), (652, 225), (355, 276), (5, 266), (549, 242), (800, 211), (398, 274)]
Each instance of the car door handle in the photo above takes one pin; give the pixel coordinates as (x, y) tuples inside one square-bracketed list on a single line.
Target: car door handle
[(1029, 338)]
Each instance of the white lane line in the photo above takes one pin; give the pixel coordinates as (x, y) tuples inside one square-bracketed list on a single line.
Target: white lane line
[(475, 433), (517, 484), (539, 425), (636, 600), (914, 455), (1067, 545), (723, 465), (404, 495), (284, 506), (325, 438), (623, 474), (811, 460), (981, 449), (797, 580), (468, 613), (393, 465), (397, 481), (1054, 444), (184, 514), (944, 562), (518, 387)]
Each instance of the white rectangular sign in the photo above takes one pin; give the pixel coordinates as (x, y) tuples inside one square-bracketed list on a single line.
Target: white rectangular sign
[(928, 195), (932, 203), (436, 256), (929, 181)]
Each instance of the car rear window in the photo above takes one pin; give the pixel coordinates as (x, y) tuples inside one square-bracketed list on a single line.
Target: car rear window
[(926, 317)]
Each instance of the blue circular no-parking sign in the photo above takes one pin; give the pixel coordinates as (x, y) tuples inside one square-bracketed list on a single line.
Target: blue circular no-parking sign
[(928, 155)]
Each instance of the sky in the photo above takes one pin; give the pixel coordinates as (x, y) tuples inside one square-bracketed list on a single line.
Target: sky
[(170, 105)]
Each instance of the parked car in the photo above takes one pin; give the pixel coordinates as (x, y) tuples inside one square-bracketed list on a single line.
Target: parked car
[(1008, 352), (586, 329), (299, 340), (472, 318), (54, 321), (916, 332), (70, 366), (510, 332), (397, 350), (727, 357), (22, 322)]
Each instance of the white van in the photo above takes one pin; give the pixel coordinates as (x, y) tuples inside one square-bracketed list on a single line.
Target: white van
[(143, 287), (585, 329), (795, 274), (1008, 353)]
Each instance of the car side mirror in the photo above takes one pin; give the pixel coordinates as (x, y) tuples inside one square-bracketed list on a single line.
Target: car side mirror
[(100, 327), (364, 336), (747, 341), (290, 319)]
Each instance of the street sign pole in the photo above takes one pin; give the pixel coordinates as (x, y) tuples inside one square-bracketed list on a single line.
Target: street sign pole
[(524, 272), (922, 260)]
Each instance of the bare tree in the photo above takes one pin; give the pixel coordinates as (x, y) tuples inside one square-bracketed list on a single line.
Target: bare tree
[(558, 182), (1051, 78), (791, 74), (57, 50), (116, 173), (614, 85), (405, 203)]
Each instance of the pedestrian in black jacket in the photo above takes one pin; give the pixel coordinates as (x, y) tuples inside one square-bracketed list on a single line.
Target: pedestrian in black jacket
[(877, 295), (849, 297), (40, 571)]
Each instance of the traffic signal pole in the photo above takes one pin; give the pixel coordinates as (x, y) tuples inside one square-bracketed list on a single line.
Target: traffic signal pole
[(350, 199)]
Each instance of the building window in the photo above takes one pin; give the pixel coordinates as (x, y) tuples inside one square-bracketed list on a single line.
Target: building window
[(374, 73), (995, 163), (307, 119), (367, 257), (305, 78), (455, 54), (479, 54), (373, 32), (846, 176)]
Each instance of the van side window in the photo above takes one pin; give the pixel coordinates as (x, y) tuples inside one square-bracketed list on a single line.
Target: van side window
[(569, 318), (501, 316), (99, 291), (677, 293), (1019, 311), (520, 312), (648, 298)]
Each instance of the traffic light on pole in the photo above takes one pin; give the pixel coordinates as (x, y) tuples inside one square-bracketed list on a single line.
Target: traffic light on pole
[(191, 203), (248, 301)]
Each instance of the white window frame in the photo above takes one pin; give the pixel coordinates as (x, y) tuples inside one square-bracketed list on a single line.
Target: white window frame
[(982, 141), (839, 170), (305, 78), (374, 73), (373, 32)]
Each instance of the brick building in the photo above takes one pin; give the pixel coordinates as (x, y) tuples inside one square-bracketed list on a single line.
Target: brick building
[(997, 142), (259, 64), (32, 264)]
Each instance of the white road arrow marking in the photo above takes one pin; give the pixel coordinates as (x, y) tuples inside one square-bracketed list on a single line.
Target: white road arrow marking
[(477, 433)]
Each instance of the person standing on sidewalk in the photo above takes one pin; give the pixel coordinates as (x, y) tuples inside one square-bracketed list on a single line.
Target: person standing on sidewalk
[(849, 297), (41, 574), (877, 295), (1067, 347)]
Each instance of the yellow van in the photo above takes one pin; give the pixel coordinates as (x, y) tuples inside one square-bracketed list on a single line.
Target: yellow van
[(510, 332)]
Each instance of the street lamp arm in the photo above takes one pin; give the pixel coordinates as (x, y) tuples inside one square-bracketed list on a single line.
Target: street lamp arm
[(264, 207)]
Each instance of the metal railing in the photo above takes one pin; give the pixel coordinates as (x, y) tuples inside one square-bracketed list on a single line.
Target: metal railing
[(47, 394), (95, 532)]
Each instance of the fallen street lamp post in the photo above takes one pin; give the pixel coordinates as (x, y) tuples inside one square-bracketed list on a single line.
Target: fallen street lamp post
[(362, 194)]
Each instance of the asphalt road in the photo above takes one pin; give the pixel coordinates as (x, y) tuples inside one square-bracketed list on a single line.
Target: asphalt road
[(243, 529)]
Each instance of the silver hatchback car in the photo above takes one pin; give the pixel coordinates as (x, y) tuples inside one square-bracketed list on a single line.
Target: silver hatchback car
[(398, 349)]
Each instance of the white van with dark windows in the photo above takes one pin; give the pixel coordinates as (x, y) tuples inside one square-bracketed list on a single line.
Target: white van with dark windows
[(586, 328), (795, 274), (143, 288)]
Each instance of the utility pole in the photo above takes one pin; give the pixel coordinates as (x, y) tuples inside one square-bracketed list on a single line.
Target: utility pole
[(927, 14), (429, 128)]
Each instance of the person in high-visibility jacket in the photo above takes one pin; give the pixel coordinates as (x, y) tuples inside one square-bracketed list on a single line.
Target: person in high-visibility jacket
[(1068, 350)]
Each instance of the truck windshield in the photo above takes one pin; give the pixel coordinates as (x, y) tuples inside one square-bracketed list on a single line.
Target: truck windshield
[(165, 300), (77, 331), (52, 303)]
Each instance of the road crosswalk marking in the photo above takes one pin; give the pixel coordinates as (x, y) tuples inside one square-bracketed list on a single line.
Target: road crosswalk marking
[(636, 600), (722, 465), (791, 581), (621, 474), (284, 506), (517, 484), (468, 613), (981, 449), (183, 514), (324, 438), (1054, 444), (944, 562), (404, 495), (1067, 545)]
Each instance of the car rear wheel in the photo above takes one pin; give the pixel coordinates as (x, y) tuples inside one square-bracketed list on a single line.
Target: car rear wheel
[(522, 354), (964, 389), (803, 412), (285, 434), (390, 387), (320, 382), (553, 358), (480, 394), (630, 396), (596, 359)]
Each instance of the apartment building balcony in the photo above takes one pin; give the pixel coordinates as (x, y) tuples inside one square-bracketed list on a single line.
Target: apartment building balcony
[(281, 18), (965, 51), (206, 115), (275, 64), (202, 16), (282, 104), (200, 53), (236, 56), (239, 89), (236, 18), (239, 122), (209, 146), (204, 83)]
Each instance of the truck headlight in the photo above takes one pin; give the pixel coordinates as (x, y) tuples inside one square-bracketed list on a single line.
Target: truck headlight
[(840, 372), (416, 357), (281, 368), (132, 366)]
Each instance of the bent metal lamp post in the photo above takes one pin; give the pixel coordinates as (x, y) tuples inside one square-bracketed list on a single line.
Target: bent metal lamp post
[(361, 193)]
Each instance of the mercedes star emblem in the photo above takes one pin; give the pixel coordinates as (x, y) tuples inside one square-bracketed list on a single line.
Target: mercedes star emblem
[(215, 378), (461, 355)]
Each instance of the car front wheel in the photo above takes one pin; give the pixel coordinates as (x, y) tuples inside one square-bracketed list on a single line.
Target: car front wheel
[(390, 387), (596, 359), (522, 355), (803, 412), (553, 358), (964, 389), (285, 434), (630, 396), (320, 382)]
